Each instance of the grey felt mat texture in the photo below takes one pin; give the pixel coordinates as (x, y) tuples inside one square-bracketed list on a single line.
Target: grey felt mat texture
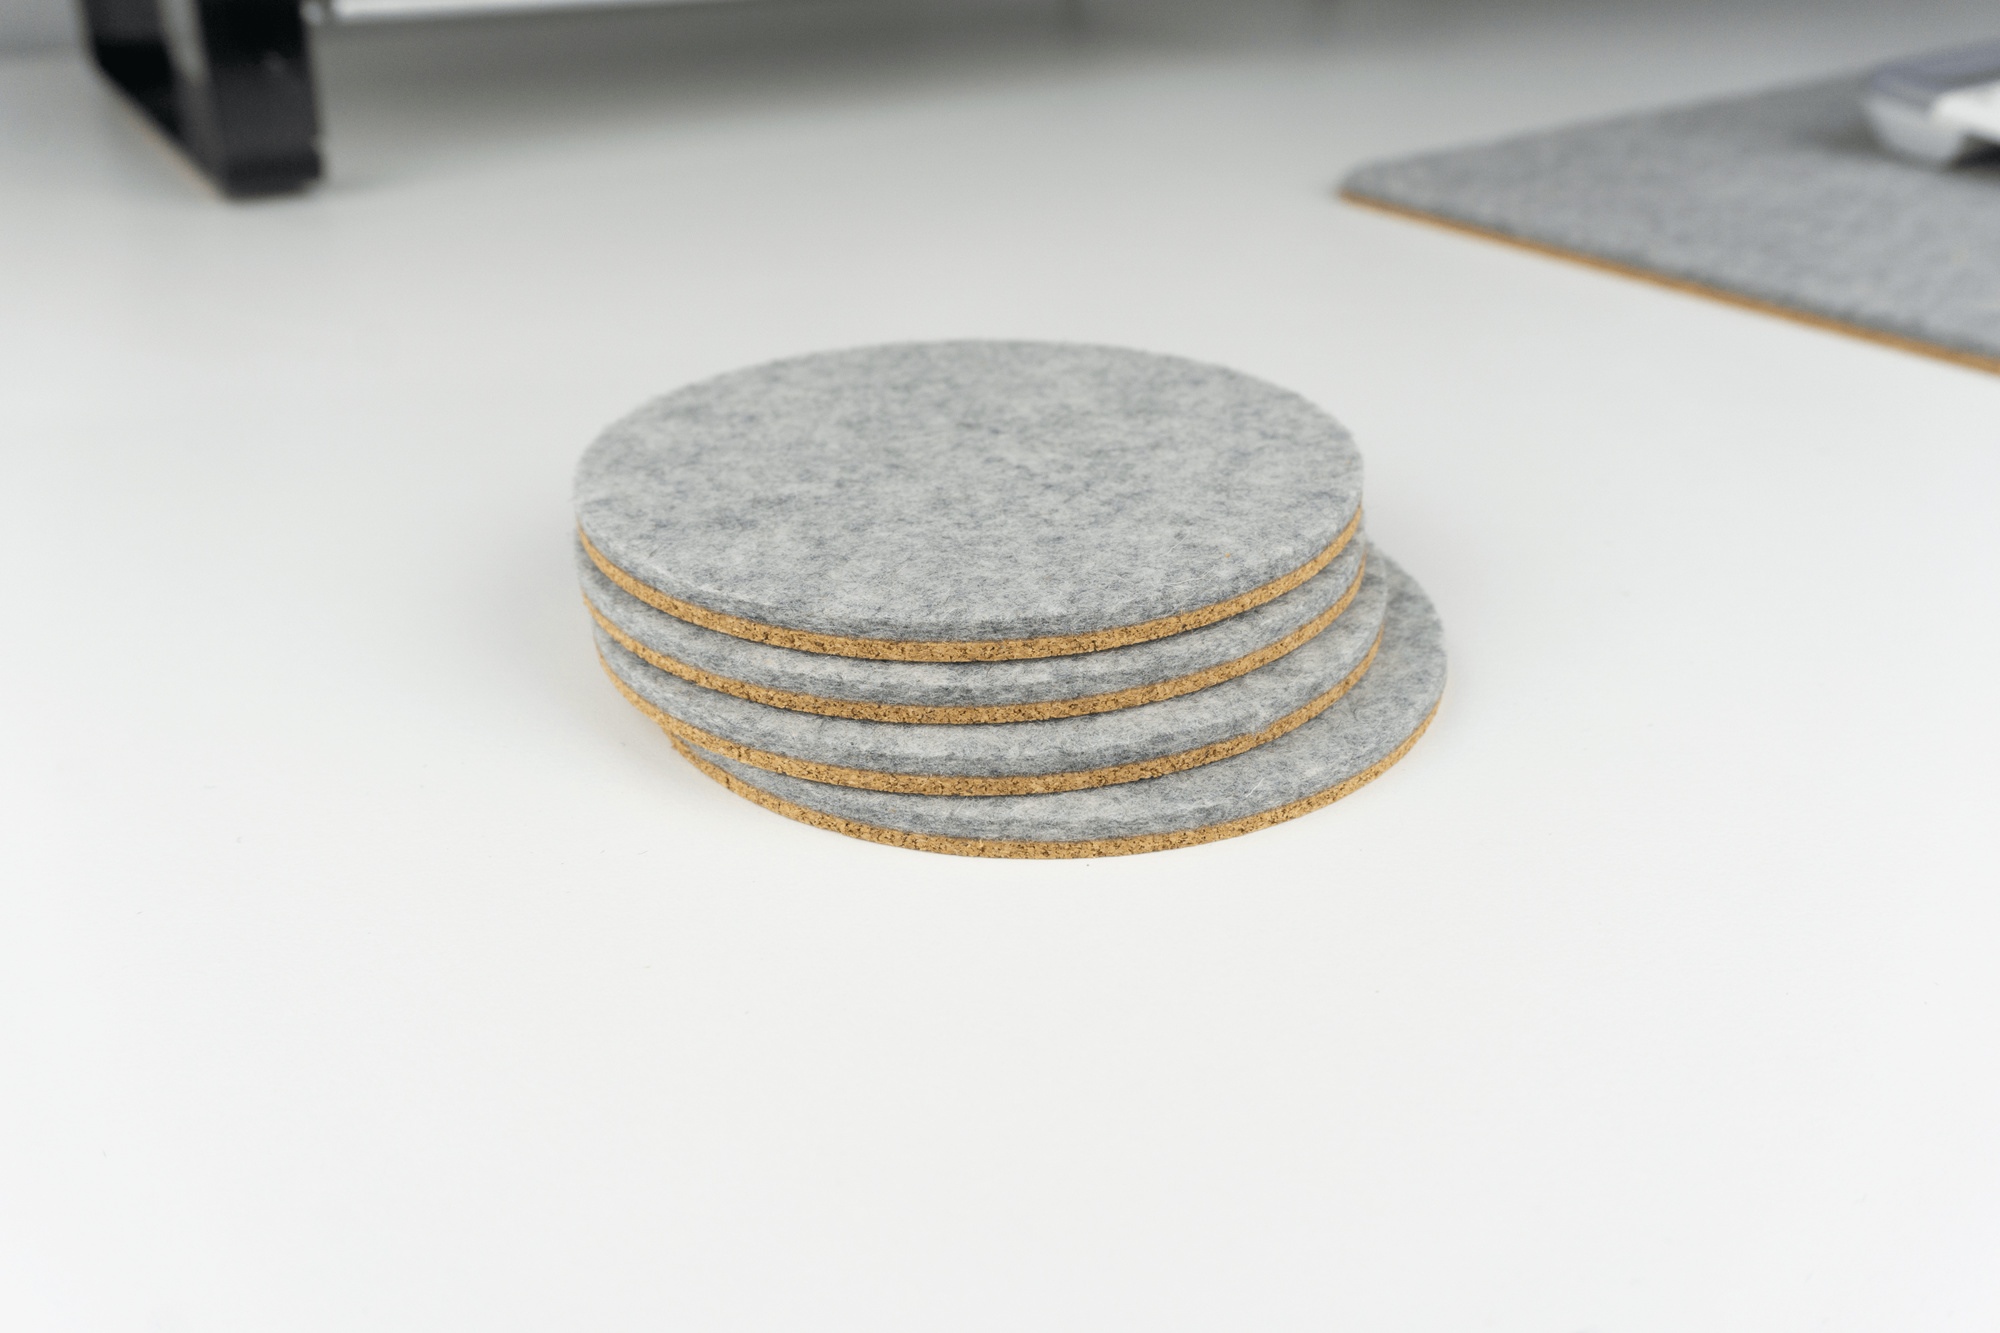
[(973, 684), (1238, 707), (968, 490), (1362, 729), (1782, 198)]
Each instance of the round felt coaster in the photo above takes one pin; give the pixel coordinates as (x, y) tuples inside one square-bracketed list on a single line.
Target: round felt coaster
[(968, 501), (959, 692), (1007, 758), (1348, 745)]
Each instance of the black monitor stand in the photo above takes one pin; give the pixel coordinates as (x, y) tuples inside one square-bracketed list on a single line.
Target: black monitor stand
[(229, 81)]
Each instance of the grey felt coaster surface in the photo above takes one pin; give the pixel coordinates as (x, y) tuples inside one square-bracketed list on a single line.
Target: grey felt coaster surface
[(1077, 751), (946, 691), (1350, 742), (1782, 199), (968, 491)]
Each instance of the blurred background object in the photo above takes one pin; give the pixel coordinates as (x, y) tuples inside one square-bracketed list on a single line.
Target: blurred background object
[(36, 25), (230, 81), (234, 83), (1938, 108), (1778, 199)]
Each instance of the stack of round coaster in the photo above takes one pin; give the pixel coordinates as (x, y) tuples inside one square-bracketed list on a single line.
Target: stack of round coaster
[(1005, 599)]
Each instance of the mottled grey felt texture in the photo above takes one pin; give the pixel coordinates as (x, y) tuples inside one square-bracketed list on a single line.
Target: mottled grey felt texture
[(968, 490), (1361, 729), (1783, 197), (1238, 707), (973, 684)]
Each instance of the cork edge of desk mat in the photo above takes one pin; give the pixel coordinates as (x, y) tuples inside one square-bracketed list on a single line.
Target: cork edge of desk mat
[(1054, 851), (1028, 784), (968, 650), (1881, 337), (938, 714)]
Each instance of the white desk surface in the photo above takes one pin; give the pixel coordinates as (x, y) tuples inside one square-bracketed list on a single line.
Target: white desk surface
[(366, 963)]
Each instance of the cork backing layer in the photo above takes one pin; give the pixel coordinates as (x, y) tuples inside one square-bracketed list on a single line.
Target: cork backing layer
[(941, 693), (1031, 784), (1362, 734), (969, 650), (1026, 850), (1018, 757)]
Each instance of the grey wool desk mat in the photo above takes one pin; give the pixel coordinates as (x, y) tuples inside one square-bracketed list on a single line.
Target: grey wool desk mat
[(1009, 758), (959, 692), (1781, 201), (1367, 730), (965, 501)]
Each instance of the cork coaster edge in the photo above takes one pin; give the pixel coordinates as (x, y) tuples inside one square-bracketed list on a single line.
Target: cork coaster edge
[(1049, 851), (942, 714), (968, 650), (1037, 784)]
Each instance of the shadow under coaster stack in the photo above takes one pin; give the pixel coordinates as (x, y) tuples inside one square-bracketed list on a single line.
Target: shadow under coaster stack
[(1005, 599)]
